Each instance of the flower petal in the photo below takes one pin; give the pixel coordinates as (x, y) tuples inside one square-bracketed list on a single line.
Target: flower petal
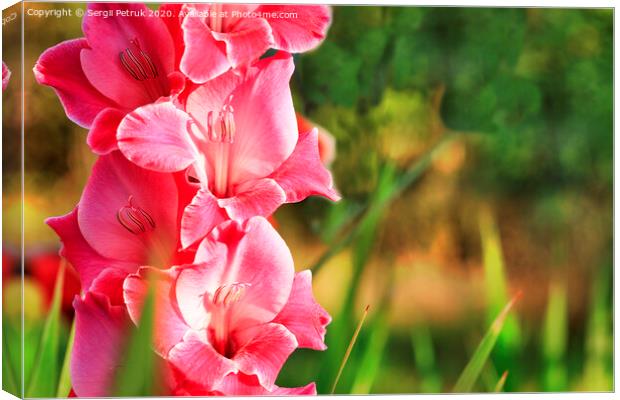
[(198, 361), (263, 353), (102, 135), (116, 184), (100, 333), (254, 198), (198, 42), (266, 128), (200, 217), (257, 256), (303, 174), (6, 76), (304, 30), (247, 385), (110, 283), (250, 39), (303, 316), (169, 326), (60, 68), (156, 137), (109, 37), (86, 261)]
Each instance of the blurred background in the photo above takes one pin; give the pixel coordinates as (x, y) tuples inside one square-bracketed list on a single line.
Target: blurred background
[(474, 153)]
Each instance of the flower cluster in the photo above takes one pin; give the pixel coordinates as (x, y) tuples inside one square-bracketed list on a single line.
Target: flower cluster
[(198, 144)]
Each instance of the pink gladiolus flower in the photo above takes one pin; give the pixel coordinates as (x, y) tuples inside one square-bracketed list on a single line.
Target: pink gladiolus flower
[(127, 217), (228, 322), (235, 35), (6, 75), (237, 138), (122, 63)]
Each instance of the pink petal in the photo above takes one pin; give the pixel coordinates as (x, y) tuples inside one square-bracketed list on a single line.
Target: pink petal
[(60, 68), (199, 362), (303, 174), (200, 217), (102, 135), (112, 182), (173, 23), (198, 42), (301, 33), (97, 350), (256, 255), (266, 129), (156, 137), (169, 326), (110, 283), (109, 37), (86, 261), (249, 40), (303, 316), (6, 75), (254, 198), (263, 353), (248, 385)]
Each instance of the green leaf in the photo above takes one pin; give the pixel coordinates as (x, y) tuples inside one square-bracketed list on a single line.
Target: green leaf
[(424, 356), (555, 334), (502, 381), (136, 376), (474, 366), (9, 376), (45, 370), (64, 382), (349, 349), (368, 368)]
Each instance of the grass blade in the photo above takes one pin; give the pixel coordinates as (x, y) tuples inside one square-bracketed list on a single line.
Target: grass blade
[(371, 361), (137, 376), (474, 366), (554, 339), (349, 349), (424, 356), (502, 381), (64, 382), (9, 378), (45, 369)]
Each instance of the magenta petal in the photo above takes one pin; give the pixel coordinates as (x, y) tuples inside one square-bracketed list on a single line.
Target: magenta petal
[(247, 385), (200, 217), (60, 68), (102, 135), (87, 262), (199, 41), (302, 33), (303, 174), (303, 316), (266, 127), (257, 256), (6, 76), (115, 185), (250, 39), (263, 353), (100, 333), (169, 326), (254, 198), (110, 283), (156, 137), (109, 37), (199, 361)]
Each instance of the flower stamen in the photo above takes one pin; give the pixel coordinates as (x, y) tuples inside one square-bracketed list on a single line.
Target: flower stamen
[(135, 219)]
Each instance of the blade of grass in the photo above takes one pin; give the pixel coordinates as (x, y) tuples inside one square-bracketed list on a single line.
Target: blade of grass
[(474, 366), (45, 370), (369, 366), (349, 349), (598, 371), (137, 375), (502, 381), (424, 356), (9, 380), (554, 339), (64, 382), (496, 292)]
